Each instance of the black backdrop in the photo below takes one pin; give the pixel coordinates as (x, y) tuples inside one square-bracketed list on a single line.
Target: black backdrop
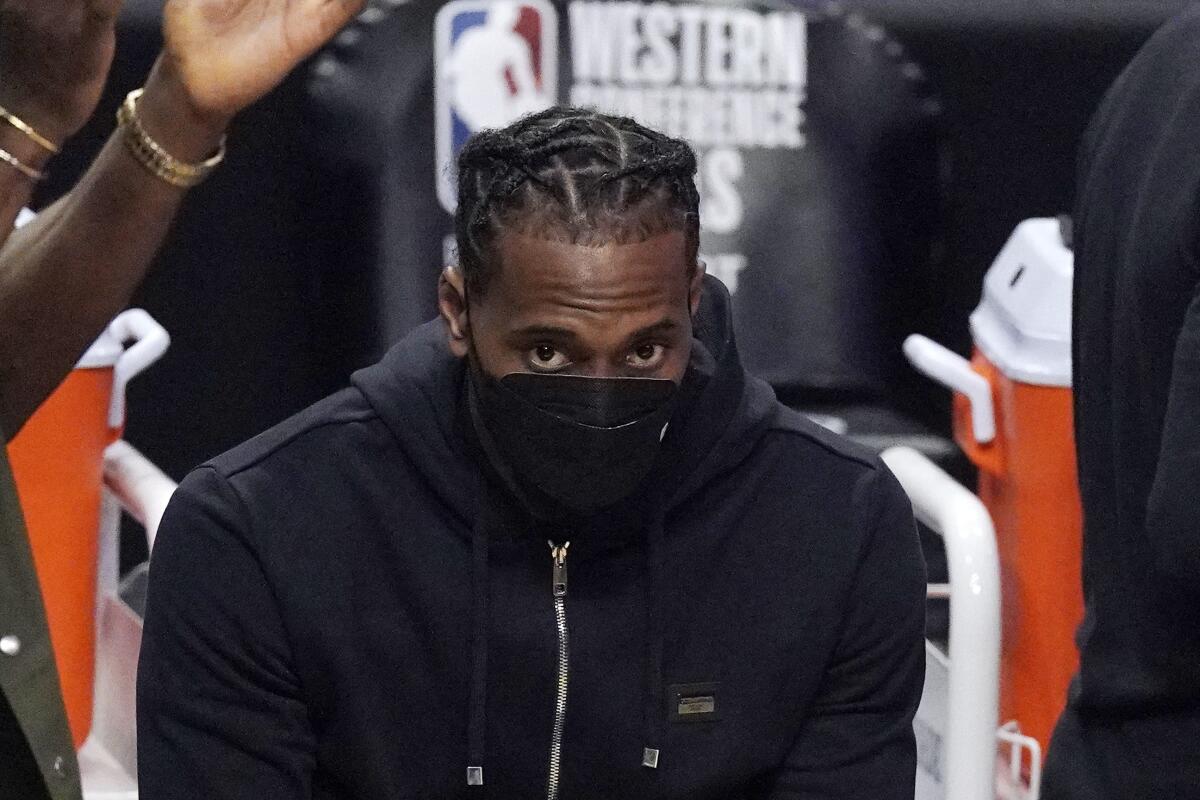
[(316, 245)]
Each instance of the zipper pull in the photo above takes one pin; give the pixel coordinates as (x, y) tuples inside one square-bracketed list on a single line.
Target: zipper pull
[(560, 568)]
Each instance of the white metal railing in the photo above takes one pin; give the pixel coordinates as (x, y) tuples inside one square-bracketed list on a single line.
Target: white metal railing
[(966, 763), (142, 489), (107, 760), (1021, 777)]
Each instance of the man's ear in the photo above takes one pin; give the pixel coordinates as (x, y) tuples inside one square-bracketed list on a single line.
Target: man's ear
[(696, 287), (452, 306)]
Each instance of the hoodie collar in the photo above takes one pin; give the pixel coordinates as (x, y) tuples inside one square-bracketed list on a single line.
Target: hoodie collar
[(418, 390)]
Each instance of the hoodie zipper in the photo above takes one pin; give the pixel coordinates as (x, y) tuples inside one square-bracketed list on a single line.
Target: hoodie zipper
[(559, 586)]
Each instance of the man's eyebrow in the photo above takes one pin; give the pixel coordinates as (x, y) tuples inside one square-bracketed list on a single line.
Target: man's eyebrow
[(665, 325), (553, 332), (542, 331)]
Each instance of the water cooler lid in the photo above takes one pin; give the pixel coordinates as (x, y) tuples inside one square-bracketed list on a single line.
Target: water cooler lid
[(1023, 322)]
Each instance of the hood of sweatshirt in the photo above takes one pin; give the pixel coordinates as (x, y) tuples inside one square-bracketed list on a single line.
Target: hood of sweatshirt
[(712, 430), (720, 418)]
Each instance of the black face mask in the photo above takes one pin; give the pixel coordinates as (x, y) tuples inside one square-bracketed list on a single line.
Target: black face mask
[(583, 443)]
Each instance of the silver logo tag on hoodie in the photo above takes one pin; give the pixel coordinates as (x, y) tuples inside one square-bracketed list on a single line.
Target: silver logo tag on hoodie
[(693, 702)]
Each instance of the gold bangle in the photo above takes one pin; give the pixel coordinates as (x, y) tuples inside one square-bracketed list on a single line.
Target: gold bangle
[(28, 130), (19, 166), (151, 155)]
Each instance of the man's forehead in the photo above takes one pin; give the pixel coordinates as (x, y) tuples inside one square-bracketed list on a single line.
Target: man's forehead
[(533, 269)]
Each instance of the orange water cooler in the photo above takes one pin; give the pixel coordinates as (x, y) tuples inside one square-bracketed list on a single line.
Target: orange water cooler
[(57, 460), (1013, 418)]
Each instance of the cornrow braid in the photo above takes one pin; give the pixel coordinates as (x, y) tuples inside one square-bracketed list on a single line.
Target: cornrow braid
[(575, 174)]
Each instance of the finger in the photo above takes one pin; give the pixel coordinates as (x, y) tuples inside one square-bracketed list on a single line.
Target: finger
[(334, 14), (324, 18)]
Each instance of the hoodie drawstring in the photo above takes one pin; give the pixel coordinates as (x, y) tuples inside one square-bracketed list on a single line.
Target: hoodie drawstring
[(476, 726), (653, 713), (652, 708)]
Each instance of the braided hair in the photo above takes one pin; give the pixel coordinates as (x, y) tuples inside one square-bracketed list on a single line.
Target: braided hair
[(575, 175)]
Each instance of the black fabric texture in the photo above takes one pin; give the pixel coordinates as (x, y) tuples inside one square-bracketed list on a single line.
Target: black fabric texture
[(595, 402), (1134, 710), (353, 605), (586, 443)]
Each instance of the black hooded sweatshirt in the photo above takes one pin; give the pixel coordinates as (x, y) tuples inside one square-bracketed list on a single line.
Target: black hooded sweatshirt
[(350, 606), (1132, 727)]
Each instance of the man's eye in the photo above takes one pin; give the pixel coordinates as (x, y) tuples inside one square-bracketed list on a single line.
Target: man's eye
[(647, 356), (547, 357)]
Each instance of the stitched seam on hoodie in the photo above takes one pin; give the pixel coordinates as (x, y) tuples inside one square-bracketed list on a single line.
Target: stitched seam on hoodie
[(250, 461)]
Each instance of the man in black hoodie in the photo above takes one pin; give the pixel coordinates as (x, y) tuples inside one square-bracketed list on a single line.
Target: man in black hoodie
[(556, 544), (1132, 724)]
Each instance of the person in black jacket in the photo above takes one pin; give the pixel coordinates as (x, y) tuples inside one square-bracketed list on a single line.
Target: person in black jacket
[(1132, 724), (556, 544)]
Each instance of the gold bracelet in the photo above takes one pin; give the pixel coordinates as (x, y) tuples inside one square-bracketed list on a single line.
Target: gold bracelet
[(28, 130), (19, 166), (151, 155)]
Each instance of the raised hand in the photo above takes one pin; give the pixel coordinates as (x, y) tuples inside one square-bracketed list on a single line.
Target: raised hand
[(54, 59), (229, 53)]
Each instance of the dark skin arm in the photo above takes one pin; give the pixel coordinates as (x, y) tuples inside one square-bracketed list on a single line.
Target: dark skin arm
[(65, 275), (54, 57)]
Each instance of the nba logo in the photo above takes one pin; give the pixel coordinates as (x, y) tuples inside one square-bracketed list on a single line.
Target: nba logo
[(495, 61)]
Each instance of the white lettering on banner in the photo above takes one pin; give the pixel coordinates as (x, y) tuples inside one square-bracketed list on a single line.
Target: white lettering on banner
[(717, 178), (690, 20), (659, 44), (705, 117), (725, 78), (660, 63)]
